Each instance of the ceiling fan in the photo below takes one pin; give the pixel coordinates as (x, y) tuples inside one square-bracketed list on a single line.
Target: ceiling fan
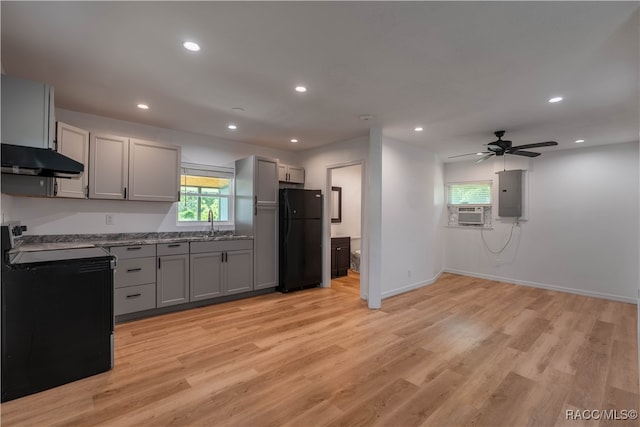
[(501, 147)]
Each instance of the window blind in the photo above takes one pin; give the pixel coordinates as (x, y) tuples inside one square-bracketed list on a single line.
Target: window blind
[(470, 193)]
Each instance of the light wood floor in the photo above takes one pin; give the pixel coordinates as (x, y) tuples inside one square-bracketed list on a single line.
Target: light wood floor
[(463, 351)]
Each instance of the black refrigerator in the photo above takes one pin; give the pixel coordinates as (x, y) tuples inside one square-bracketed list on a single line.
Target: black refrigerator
[(300, 239)]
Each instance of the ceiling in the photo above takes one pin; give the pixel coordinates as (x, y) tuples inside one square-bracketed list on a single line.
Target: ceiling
[(461, 70)]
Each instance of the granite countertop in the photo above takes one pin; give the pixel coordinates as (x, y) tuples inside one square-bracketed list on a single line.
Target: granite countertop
[(73, 241)]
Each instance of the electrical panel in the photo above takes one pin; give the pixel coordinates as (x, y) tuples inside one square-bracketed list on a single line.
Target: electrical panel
[(510, 194)]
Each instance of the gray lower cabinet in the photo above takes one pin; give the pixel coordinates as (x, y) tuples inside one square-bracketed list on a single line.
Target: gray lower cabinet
[(154, 276), (206, 275), (239, 270), (134, 298), (266, 247), (134, 278), (221, 268), (173, 274)]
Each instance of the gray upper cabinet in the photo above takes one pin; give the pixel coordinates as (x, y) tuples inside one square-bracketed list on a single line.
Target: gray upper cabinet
[(108, 167), (73, 142), (290, 174), (27, 119), (265, 177), (154, 171), (132, 169), (256, 214), (28, 113)]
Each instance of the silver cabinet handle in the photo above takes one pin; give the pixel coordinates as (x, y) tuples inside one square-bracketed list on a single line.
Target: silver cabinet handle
[(134, 295), (133, 270)]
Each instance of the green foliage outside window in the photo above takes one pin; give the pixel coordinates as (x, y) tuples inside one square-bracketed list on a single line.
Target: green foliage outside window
[(201, 194)]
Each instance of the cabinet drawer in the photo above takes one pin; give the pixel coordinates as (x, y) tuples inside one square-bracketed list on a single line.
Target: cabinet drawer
[(134, 298), (233, 245), (340, 242), (134, 251), (173, 248), (138, 271)]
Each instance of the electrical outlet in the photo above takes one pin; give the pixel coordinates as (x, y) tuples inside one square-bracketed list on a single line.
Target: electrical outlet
[(109, 219)]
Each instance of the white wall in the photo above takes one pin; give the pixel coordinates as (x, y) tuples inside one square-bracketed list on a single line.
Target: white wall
[(67, 216), (582, 229), (412, 207), (316, 162), (350, 180)]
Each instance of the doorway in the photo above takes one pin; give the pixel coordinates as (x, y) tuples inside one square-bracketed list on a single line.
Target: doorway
[(345, 229)]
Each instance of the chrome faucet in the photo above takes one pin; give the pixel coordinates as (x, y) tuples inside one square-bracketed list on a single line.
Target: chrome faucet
[(210, 219)]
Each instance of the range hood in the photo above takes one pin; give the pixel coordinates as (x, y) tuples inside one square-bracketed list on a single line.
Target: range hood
[(23, 160)]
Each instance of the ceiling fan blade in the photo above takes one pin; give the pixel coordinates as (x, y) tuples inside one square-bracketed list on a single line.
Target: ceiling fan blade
[(535, 145), (482, 159), (524, 153), (469, 154)]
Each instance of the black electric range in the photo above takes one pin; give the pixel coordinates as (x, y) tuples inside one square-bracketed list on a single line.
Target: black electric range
[(57, 317)]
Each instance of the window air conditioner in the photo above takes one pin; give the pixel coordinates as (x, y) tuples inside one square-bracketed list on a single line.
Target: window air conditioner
[(468, 215)]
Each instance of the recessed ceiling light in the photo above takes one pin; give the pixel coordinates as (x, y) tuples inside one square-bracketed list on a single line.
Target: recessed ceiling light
[(232, 126), (578, 141), (192, 46), (479, 154), (143, 106), (301, 89), (418, 129), (555, 99), (294, 140)]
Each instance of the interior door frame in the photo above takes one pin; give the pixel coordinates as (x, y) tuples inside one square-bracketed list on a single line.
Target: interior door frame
[(364, 238)]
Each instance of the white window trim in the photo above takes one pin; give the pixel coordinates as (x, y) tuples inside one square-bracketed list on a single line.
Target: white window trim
[(218, 171)]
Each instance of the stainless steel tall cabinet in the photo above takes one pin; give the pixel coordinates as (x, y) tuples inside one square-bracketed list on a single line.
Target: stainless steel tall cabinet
[(256, 214)]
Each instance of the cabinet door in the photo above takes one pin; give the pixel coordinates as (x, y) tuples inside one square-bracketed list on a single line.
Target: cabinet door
[(266, 181), (206, 275), (154, 171), (108, 167), (296, 174), (282, 172), (172, 280), (342, 260), (27, 109), (265, 244), (73, 143), (239, 266), (334, 263)]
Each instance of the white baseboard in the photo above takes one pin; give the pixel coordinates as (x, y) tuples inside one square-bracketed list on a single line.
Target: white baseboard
[(545, 286), (411, 287)]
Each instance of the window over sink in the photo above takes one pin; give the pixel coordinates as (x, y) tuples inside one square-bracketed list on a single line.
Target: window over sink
[(205, 189)]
